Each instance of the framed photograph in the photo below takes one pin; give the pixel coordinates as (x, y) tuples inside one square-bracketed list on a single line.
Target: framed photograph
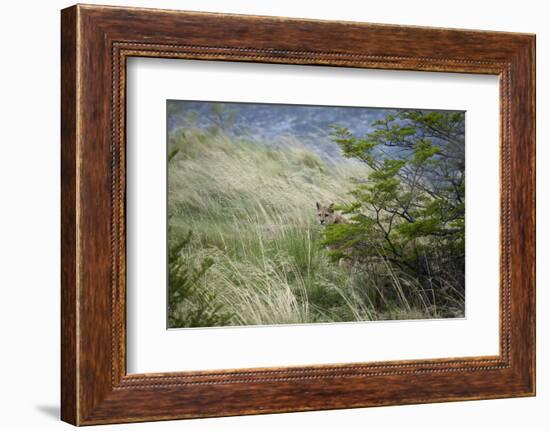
[(263, 214)]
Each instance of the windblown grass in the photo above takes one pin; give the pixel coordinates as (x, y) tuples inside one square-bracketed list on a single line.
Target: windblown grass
[(250, 208)]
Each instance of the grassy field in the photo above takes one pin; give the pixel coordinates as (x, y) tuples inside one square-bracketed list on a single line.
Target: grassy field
[(245, 243)]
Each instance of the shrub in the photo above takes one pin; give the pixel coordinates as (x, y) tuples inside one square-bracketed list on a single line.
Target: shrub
[(189, 305), (409, 212)]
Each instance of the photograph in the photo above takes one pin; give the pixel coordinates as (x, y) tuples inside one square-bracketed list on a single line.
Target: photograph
[(301, 214)]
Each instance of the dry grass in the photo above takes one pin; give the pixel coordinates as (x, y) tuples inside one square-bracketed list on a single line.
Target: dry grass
[(251, 208)]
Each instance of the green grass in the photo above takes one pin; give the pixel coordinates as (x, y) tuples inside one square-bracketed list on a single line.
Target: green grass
[(250, 209)]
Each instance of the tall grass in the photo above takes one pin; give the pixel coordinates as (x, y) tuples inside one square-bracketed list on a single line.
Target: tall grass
[(249, 209)]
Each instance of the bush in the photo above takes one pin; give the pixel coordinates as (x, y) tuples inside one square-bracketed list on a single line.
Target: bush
[(409, 212), (189, 305)]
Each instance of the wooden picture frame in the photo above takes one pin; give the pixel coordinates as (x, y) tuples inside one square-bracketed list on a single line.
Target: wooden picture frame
[(95, 43)]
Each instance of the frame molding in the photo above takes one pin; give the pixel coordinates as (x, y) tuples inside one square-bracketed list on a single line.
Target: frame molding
[(96, 41)]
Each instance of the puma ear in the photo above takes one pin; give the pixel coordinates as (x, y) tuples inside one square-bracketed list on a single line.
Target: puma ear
[(331, 207), (318, 205)]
